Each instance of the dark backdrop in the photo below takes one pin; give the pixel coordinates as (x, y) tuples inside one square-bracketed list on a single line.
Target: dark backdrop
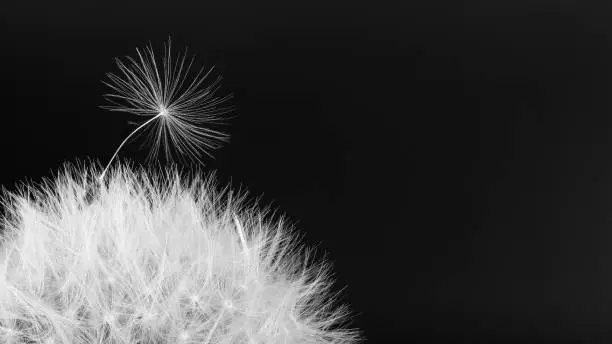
[(454, 158)]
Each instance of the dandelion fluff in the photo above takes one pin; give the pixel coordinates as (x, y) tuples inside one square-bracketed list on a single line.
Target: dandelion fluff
[(139, 257), (156, 258), (178, 107)]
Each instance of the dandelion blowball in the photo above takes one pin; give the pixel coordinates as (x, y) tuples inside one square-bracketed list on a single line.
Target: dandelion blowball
[(156, 257)]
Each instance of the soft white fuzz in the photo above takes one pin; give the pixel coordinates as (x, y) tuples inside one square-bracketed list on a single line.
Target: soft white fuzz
[(156, 259)]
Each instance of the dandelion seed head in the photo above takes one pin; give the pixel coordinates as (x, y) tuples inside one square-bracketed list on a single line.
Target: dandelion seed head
[(282, 301)]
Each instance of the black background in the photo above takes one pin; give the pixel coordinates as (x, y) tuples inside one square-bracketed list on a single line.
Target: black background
[(454, 158)]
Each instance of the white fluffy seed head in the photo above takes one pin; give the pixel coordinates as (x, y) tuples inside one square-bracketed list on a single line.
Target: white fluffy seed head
[(156, 259)]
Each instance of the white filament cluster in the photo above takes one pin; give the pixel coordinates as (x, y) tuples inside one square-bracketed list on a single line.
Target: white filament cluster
[(179, 107), (156, 259)]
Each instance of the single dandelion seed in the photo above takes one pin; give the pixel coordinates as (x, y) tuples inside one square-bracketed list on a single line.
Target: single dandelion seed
[(180, 107)]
